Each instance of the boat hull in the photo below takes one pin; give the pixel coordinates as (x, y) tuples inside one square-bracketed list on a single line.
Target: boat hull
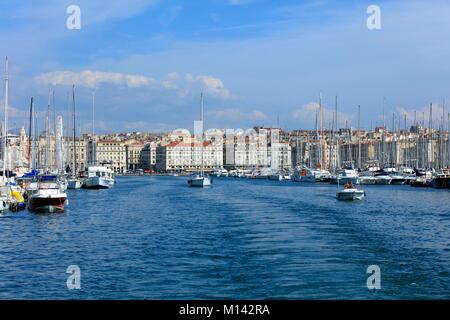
[(47, 205), (441, 183), (367, 181), (4, 206), (74, 184), (98, 183), (350, 195), (276, 177), (200, 182), (383, 180), (398, 181)]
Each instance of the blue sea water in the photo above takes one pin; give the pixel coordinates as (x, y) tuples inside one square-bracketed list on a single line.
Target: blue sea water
[(156, 238)]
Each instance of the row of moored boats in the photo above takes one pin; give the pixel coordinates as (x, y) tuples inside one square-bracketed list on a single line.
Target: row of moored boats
[(47, 192)]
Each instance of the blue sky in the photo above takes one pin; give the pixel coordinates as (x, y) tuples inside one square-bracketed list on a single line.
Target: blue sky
[(148, 60)]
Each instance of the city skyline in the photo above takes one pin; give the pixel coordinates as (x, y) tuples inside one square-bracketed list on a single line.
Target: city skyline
[(256, 61)]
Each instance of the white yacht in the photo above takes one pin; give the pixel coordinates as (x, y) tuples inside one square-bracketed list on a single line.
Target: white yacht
[(99, 177), (367, 178), (383, 179), (199, 181), (397, 178)]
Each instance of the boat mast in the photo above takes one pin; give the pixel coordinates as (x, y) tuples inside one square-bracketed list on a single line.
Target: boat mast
[(30, 132), (359, 137), (54, 160), (5, 141), (47, 136), (430, 143), (202, 136), (33, 148), (74, 173), (383, 147), (324, 150), (338, 153), (94, 160)]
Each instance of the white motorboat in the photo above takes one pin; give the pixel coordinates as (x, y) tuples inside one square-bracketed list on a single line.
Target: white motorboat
[(99, 177), (350, 193), (74, 183), (397, 178), (383, 179), (199, 181), (221, 173), (367, 178), (49, 197)]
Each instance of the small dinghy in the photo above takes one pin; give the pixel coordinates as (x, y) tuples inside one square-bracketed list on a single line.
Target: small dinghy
[(350, 193)]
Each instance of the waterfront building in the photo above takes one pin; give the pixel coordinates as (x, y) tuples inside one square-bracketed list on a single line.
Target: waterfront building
[(183, 156), (133, 155), (80, 147), (147, 160), (113, 153)]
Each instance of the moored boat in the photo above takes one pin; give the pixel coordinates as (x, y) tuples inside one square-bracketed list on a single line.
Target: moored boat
[(311, 175), (99, 177), (74, 183), (48, 198), (441, 180)]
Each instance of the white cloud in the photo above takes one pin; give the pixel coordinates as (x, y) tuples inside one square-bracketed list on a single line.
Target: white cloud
[(187, 85), (211, 85), (90, 79)]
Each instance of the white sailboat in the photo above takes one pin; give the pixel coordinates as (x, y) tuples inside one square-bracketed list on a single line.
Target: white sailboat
[(74, 182), (99, 176), (200, 180), (5, 189)]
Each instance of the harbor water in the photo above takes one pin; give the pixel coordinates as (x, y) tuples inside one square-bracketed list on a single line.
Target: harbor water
[(156, 238)]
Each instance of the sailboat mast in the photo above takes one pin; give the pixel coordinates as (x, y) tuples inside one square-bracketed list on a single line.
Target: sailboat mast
[(33, 148), (74, 128), (30, 132), (338, 150), (324, 151), (94, 160), (202, 139), (5, 141), (359, 137)]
